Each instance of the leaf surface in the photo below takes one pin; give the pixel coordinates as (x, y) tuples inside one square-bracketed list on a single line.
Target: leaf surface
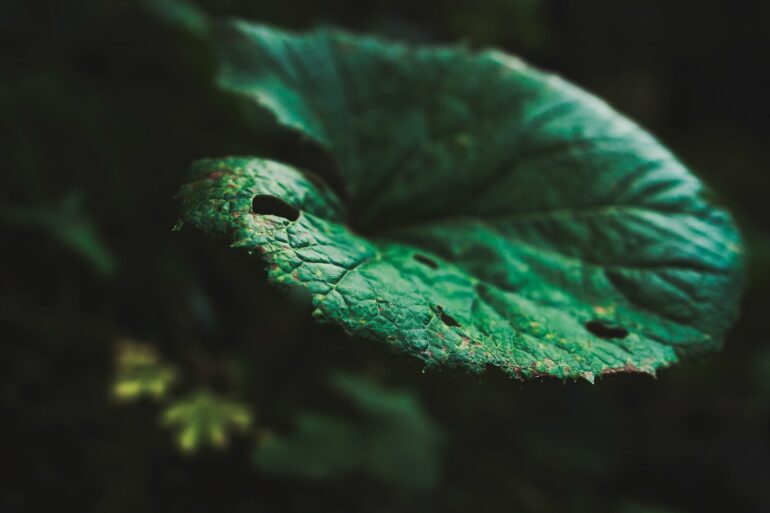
[(492, 214)]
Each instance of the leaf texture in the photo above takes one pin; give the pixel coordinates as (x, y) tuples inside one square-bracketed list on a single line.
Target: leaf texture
[(492, 214)]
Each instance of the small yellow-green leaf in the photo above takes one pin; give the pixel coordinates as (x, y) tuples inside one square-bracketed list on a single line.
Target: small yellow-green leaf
[(205, 419), (140, 372)]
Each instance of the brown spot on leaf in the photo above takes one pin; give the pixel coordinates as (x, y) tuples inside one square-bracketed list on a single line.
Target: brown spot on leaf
[(625, 369)]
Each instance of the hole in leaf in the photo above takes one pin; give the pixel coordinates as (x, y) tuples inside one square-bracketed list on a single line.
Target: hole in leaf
[(426, 261), (604, 330), (272, 206), (446, 318)]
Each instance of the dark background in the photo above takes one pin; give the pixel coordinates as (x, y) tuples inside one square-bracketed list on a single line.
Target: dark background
[(103, 106)]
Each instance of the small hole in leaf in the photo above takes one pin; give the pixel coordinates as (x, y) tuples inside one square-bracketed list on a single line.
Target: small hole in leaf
[(272, 206), (426, 261), (604, 330), (446, 318)]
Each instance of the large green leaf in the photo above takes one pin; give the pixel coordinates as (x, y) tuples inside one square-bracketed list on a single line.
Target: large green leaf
[(492, 214)]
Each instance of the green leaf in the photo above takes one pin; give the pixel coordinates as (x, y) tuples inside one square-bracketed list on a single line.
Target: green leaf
[(67, 224), (180, 14), (204, 418), (140, 372), (492, 214), (393, 441)]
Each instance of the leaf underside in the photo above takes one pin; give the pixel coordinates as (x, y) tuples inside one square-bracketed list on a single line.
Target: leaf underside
[(494, 214)]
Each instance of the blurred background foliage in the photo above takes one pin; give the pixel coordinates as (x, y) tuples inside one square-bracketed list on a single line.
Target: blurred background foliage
[(113, 325)]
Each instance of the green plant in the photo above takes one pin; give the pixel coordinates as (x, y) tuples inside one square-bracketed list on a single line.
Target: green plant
[(487, 214), (200, 418), (392, 440), (139, 372), (204, 418)]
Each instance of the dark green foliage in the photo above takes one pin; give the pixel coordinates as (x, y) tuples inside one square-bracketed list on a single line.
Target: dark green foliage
[(393, 441), (107, 103), (561, 239)]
